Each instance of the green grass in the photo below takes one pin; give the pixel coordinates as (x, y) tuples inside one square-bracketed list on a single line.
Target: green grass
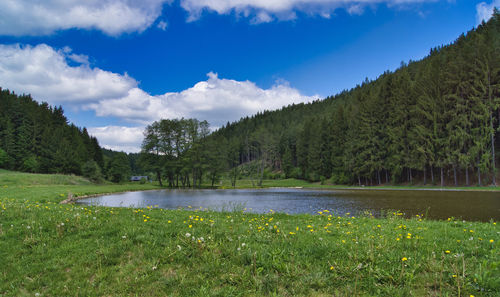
[(72, 250), (55, 187), (292, 182)]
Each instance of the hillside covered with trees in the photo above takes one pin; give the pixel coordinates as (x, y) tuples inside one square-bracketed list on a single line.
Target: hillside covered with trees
[(36, 137), (430, 121)]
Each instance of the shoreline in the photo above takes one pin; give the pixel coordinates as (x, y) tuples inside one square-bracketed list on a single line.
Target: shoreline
[(73, 199)]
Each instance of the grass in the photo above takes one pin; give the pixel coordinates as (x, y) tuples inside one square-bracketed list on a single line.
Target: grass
[(292, 182), (49, 249)]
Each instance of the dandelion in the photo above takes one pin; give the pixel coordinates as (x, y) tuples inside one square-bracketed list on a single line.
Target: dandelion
[(145, 220), (331, 267), (447, 251), (170, 222), (492, 241), (454, 276), (404, 259), (190, 226)]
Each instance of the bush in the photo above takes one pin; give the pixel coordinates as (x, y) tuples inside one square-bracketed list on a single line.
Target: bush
[(142, 181), (296, 173), (30, 164), (3, 158), (92, 171)]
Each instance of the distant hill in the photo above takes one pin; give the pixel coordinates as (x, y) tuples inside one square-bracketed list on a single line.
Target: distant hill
[(434, 120), (36, 137)]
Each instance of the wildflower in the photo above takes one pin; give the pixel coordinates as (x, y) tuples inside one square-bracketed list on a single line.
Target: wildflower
[(154, 267), (145, 220), (190, 226), (491, 241), (454, 276), (188, 234), (331, 267), (447, 251), (291, 233), (169, 222), (179, 247), (404, 259)]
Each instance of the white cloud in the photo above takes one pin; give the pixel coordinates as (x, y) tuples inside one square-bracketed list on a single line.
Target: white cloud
[(265, 10), (215, 100), (119, 138), (113, 17), (162, 25), (484, 11), (45, 73)]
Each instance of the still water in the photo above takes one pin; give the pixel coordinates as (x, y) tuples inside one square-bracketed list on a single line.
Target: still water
[(476, 206)]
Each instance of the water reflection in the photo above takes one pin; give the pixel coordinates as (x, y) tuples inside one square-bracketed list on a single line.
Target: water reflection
[(478, 206)]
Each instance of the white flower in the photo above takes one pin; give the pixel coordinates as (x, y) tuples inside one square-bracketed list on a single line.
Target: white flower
[(62, 224), (28, 227), (124, 236), (243, 244), (94, 218), (154, 267), (188, 234), (239, 249), (179, 247)]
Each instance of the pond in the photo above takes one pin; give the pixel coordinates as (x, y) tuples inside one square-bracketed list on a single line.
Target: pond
[(474, 206)]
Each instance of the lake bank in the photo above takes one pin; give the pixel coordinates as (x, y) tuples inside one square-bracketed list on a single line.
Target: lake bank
[(55, 250), (60, 250)]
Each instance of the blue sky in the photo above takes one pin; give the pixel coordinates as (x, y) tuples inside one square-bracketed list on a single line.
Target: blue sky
[(118, 65)]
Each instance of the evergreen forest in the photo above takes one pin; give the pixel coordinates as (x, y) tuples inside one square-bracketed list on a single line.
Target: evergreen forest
[(433, 121)]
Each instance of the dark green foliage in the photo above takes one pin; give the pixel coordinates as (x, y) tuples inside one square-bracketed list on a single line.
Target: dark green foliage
[(435, 119), (119, 170), (92, 170), (37, 138), (3, 158)]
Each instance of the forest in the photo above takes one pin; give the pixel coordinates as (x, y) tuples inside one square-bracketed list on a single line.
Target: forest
[(37, 138), (433, 121)]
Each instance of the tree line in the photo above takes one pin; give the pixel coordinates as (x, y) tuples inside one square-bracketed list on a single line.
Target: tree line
[(430, 121), (37, 138)]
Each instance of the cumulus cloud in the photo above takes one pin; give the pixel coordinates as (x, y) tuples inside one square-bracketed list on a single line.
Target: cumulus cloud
[(215, 100), (44, 72), (113, 17), (119, 138), (264, 10), (484, 11)]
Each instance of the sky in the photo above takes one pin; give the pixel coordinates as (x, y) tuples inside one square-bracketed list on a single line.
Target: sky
[(116, 66)]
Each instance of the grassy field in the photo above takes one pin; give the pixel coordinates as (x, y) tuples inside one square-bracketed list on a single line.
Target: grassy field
[(49, 249), (291, 182)]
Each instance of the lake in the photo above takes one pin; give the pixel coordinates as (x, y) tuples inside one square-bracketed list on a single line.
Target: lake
[(474, 206)]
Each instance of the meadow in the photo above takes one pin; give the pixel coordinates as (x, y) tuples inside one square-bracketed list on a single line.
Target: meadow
[(49, 249)]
